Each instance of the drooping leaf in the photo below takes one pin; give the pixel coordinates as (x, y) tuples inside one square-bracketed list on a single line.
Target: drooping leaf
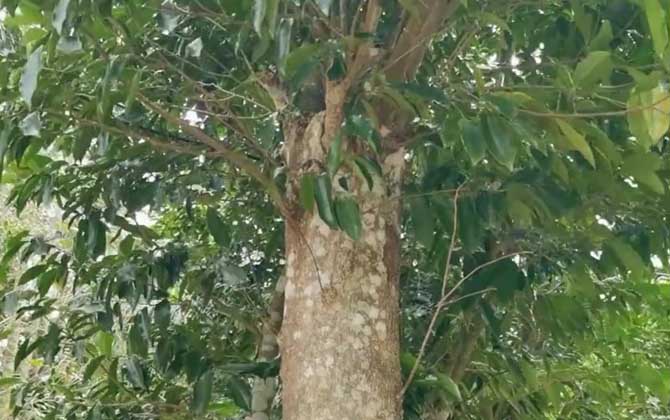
[(194, 48), (217, 227), (334, 158), (307, 191), (31, 125), (594, 68), (324, 200), (348, 216), (202, 393), (474, 140), (30, 75), (577, 141), (603, 39), (284, 39), (656, 18), (4, 143), (324, 6), (501, 141), (260, 9), (59, 15), (450, 386)]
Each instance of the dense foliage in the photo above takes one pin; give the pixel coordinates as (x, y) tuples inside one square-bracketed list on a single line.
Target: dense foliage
[(537, 138)]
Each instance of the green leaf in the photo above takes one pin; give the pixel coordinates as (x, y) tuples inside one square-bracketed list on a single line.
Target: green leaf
[(260, 9), (31, 125), (334, 158), (91, 367), (596, 67), (637, 123), (202, 393), (628, 257), (4, 143), (348, 216), (657, 21), (501, 141), (324, 200), (300, 61), (9, 381), (657, 111), (324, 6), (104, 342), (450, 386), (643, 166), (307, 191), (583, 20), (217, 228), (474, 140), (135, 372), (423, 221), (368, 169), (137, 344), (603, 39), (284, 39), (361, 127), (577, 141), (32, 273), (30, 75), (59, 15)]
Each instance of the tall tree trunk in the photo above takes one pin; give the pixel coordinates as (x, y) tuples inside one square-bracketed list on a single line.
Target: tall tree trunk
[(340, 335)]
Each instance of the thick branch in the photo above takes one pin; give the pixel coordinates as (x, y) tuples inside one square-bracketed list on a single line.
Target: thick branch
[(264, 389), (409, 51)]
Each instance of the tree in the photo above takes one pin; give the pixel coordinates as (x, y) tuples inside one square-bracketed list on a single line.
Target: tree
[(306, 167)]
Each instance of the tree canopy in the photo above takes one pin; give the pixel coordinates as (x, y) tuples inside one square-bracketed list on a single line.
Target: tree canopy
[(534, 227)]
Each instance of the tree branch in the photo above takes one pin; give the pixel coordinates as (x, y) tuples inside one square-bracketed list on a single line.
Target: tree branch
[(263, 389), (232, 156), (412, 44)]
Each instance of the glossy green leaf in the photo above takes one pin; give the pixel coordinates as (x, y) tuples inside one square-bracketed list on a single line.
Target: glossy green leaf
[(260, 9), (92, 366), (348, 216), (501, 141), (656, 104), (656, 18), (334, 157), (4, 143), (450, 386), (202, 393), (59, 15), (594, 68), (474, 140), (30, 75), (284, 39), (602, 40), (135, 372), (324, 200), (642, 167), (324, 6), (369, 170), (307, 191), (217, 228), (577, 141)]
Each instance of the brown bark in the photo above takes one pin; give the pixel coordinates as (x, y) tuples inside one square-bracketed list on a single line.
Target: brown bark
[(340, 335)]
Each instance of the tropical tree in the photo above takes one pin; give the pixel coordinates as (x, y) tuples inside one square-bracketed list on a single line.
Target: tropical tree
[(438, 208)]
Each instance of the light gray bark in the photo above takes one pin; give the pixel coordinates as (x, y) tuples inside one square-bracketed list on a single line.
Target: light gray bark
[(340, 335)]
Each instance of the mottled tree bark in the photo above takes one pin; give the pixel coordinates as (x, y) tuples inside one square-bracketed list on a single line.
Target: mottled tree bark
[(340, 335)]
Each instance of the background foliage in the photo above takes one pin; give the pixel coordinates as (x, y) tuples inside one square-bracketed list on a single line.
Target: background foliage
[(538, 147)]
